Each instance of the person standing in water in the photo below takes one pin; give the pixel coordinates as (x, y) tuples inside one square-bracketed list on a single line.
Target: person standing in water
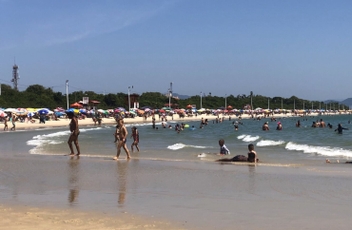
[(116, 134), (279, 126), (340, 128), (123, 134), (135, 135), (74, 134)]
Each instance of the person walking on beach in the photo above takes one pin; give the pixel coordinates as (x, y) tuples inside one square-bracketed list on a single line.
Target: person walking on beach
[(74, 134), (6, 127), (123, 133), (340, 128), (135, 135), (13, 121)]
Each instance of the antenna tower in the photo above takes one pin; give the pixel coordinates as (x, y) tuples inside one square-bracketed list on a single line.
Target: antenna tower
[(15, 76)]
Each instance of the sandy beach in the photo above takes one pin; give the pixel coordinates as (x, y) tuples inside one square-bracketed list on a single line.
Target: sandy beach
[(19, 218), (57, 192), (62, 122)]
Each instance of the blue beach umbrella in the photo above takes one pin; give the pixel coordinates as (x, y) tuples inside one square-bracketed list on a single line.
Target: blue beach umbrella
[(43, 111)]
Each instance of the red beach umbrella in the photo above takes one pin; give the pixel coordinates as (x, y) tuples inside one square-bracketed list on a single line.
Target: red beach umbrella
[(76, 105)]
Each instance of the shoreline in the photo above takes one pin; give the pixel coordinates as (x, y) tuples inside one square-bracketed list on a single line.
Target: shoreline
[(64, 122)]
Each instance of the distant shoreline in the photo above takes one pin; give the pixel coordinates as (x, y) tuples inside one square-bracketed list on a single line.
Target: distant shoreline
[(64, 122)]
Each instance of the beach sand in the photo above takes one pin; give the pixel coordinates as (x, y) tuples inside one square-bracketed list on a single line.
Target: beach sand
[(59, 192), (20, 218), (111, 121)]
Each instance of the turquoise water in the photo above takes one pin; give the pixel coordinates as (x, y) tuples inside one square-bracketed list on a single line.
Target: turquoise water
[(292, 145)]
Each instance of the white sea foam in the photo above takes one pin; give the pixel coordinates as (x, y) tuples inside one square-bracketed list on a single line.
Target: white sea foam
[(321, 150), (269, 143), (178, 146), (248, 138)]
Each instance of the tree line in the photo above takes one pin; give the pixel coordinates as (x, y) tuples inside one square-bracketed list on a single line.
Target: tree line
[(38, 96)]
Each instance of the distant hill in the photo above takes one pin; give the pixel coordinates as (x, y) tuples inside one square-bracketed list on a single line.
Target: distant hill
[(182, 97), (347, 102)]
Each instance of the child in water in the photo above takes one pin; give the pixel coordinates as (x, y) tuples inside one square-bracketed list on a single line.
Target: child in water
[(252, 156), (223, 149)]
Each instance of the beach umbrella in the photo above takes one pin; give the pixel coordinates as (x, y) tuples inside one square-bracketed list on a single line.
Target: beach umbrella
[(31, 110), (147, 110), (166, 108), (43, 111), (2, 114), (121, 108), (161, 111), (76, 105), (59, 109), (21, 111), (10, 110), (189, 106), (84, 111)]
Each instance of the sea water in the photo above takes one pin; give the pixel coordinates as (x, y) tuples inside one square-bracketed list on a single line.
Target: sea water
[(291, 145)]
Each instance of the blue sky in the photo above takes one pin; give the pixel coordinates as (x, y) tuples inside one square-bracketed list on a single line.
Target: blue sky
[(273, 48)]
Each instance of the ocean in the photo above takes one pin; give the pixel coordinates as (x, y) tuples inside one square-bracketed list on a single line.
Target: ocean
[(291, 145)]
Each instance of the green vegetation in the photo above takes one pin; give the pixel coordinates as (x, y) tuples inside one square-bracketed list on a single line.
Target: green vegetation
[(37, 96)]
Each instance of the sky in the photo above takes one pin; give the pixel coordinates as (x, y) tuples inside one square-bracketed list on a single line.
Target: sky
[(274, 48)]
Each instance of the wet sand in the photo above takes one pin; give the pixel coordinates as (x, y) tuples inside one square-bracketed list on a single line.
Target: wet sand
[(97, 193)]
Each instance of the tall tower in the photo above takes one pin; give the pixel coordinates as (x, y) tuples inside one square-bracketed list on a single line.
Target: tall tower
[(170, 94), (15, 76)]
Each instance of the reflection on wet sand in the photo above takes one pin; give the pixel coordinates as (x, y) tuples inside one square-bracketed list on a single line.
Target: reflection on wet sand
[(73, 164), (121, 168), (251, 180)]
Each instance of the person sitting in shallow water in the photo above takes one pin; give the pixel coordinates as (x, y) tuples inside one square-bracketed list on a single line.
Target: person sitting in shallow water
[(252, 156), (223, 149)]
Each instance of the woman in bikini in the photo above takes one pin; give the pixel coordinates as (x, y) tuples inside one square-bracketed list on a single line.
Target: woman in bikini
[(74, 134), (135, 135)]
